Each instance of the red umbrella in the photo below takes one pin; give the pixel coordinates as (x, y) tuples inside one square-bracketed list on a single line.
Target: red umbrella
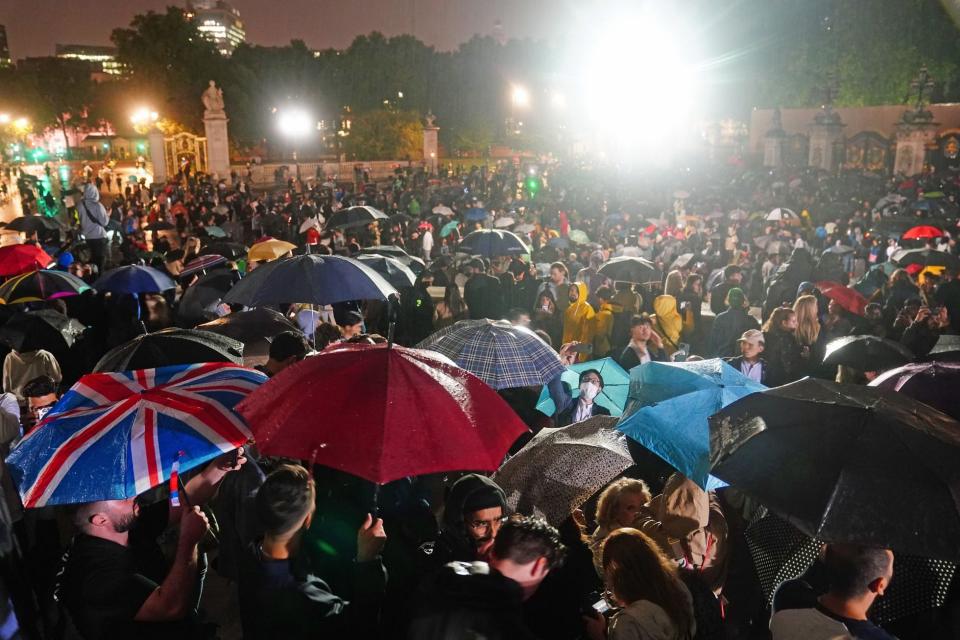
[(382, 413), (849, 299), (922, 232), (21, 258)]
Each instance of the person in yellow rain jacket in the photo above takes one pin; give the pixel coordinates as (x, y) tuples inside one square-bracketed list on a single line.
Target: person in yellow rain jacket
[(667, 323), (578, 318), (603, 323)]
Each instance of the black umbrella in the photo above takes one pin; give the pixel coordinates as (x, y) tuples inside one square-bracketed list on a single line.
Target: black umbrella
[(846, 463), (866, 353), (947, 348), (254, 328), (414, 263), (171, 346), (160, 225), (682, 262), (925, 258), (200, 301), (629, 269), (229, 250), (32, 224), (932, 383), (45, 329), (359, 216), (491, 243), (394, 271)]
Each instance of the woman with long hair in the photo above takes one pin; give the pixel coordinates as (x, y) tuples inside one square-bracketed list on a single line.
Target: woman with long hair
[(808, 334), (451, 309), (781, 349)]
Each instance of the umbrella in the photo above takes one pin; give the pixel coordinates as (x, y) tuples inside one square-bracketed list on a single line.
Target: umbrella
[(682, 261), (202, 263), (526, 227), (668, 407), (269, 250), (560, 469), (475, 214), (613, 396), (170, 347), (20, 258), (32, 224), (629, 269), (449, 228), (840, 249), (253, 327), (201, 300), (393, 271), (922, 232), (866, 353), (442, 210), (115, 435), (780, 213), (932, 383), (310, 223), (311, 278), (946, 348), (134, 279), (925, 258), (579, 237), (215, 232), (499, 353), (229, 250), (738, 214), (359, 216), (160, 225), (43, 284), (848, 298), (681, 195), (853, 464), (503, 223), (559, 243), (493, 242), (418, 414), (932, 195), (45, 329)]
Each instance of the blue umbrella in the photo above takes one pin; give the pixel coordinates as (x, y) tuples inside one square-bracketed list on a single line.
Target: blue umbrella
[(134, 279), (490, 243), (668, 406), (475, 214), (559, 243), (616, 381)]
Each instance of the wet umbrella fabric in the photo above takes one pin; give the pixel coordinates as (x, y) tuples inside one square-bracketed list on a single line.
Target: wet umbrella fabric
[(20, 258), (32, 224), (358, 216), (500, 354), (851, 464), (393, 271), (947, 348), (312, 279), (560, 469), (866, 353), (268, 250), (922, 232), (44, 329), (613, 396), (475, 214), (391, 434), (201, 300), (847, 297), (934, 383), (202, 263), (925, 258), (229, 250), (629, 269), (171, 347), (491, 243), (40, 285), (161, 225), (253, 327), (132, 279), (115, 435)]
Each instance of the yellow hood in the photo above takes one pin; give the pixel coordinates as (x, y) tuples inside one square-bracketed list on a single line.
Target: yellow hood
[(669, 321)]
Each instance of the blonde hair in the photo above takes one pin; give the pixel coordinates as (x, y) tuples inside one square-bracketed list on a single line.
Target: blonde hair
[(808, 324), (609, 501)]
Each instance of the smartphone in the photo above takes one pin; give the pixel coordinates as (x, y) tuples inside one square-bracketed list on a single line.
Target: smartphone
[(583, 347), (232, 458), (680, 355)]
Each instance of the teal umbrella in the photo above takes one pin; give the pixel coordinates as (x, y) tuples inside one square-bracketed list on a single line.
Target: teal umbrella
[(448, 228), (616, 381), (668, 406), (578, 236), (215, 232)]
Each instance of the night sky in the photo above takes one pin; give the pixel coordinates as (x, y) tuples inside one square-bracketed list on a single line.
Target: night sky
[(34, 26)]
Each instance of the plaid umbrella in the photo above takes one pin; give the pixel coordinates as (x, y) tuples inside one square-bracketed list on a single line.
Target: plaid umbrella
[(201, 263), (499, 353), (560, 469), (43, 284)]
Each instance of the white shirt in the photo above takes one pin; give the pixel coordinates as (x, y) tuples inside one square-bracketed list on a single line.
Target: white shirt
[(308, 319), (752, 371), (583, 411), (427, 242)]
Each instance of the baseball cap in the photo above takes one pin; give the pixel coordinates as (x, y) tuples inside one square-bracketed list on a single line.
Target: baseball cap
[(753, 336)]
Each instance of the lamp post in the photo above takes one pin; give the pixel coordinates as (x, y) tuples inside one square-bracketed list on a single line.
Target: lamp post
[(295, 124), (145, 120)]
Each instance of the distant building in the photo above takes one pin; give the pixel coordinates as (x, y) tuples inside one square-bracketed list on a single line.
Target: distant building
[(5, 60), (219, 22), (103, 57)]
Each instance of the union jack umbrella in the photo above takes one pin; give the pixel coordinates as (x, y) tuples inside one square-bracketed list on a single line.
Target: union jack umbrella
[(115, 435)]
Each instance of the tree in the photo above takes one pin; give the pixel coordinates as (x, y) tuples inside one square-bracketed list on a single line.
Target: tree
[(60, 93), (384, 134)]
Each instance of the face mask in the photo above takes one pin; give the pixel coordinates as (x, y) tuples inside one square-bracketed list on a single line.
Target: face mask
[(546, 307), (589, 390)]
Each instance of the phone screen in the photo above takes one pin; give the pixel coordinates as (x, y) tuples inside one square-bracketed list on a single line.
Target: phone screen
[(601, 606)]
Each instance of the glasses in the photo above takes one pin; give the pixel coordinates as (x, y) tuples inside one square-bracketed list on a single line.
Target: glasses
[(495, 523)]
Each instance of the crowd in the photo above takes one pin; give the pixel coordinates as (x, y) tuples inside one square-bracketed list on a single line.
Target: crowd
[(761, 269)]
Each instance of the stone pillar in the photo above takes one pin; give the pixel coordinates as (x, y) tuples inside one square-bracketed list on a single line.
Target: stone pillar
[(915, 130), (218, 145), (826, 134), (773, 142), (157, 156), (430, 144)]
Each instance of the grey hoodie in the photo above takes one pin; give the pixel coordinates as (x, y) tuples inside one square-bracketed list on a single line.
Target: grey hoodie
[(93, 217)]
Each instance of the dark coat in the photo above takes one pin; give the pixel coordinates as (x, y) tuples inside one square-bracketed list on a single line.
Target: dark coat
[(727, 327), (782, 351)]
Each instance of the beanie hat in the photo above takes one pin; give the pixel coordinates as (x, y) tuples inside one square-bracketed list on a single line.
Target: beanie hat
[(735, 298)]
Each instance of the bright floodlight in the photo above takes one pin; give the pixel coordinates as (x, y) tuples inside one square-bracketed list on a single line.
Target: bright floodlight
[(520, 96), (4, 118), (143, 115), (21, 123), (294, 123), (558, 100)]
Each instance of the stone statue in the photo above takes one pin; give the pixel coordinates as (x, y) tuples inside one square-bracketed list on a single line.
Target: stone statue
[(431, 119), (212, 100)]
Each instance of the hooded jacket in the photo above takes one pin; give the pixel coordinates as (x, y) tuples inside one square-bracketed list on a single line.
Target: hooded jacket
[(454, 542), (668, 323), (577, 319), (93, 217)]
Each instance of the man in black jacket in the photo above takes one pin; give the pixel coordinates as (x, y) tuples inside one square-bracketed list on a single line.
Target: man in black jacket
[(732, 277), (473, 512), (482, 293), (749, 362), (570, 410)]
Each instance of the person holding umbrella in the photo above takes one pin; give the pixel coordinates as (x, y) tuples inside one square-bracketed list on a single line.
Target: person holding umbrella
[(568, 410)]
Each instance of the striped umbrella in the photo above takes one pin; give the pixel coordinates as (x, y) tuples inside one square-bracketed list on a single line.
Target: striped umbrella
[(39, 285), (115, 435)]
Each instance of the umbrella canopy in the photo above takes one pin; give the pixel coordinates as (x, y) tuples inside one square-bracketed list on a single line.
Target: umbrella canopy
[(170, 347), (490, 243), (840, 249), (268, 250), (414, 263), (866, 353), (851, 464), (449, 228), (848, 298), (229, 250), (20, 258), (475, 214), (443, 210), (359, 216), (499, 353), (200, 301), (932, 383), (311, 278), (668, 408), (781, 213), (925, 258), (613, 396), (922, 232), (947, 348), (32, 224), (202, 263), (215, 232), (395, 272), (43, 284), (504, 222), (115, 435), (629, 269), (578, 236), (560, 469), (390, 434), (134, 279), (45, 329), (682, 262), (159, 225), (526, 227), (253, 327)]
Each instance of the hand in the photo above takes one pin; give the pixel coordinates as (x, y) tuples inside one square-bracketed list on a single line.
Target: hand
[(580, 520), (370, 539), (567, 354), (193, 526), (922, 314), (595, 626), (656, 340), (230, 461)]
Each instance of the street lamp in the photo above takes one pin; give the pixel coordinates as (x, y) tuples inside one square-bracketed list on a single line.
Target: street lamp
[(144, 116), (519, 96), (295, 124), (4, 118)]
